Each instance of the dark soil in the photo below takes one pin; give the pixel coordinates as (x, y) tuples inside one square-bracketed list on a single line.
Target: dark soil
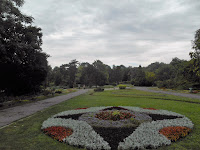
[(162, 117), (115, 108), (114, 135), (75, 116)]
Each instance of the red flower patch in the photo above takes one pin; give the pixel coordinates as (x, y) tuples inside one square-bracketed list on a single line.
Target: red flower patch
[(58, 133), (80, 108), (150, 108), (175, 133)]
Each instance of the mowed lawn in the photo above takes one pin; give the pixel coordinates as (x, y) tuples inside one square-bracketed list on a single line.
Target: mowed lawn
[(26, 134)]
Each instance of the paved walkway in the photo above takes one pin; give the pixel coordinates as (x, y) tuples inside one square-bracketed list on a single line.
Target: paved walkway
[(10, 115), (168, 92)]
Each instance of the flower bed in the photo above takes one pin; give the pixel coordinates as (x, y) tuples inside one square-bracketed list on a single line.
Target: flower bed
[(174, 133), (58, 133), (134, 128), (113, 115)]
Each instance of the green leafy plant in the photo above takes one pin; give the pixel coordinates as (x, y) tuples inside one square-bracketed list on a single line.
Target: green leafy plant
[(58, 91), (121, 86)]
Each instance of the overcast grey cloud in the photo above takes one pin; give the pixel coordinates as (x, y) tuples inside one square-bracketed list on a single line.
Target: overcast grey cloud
[(129, 32)]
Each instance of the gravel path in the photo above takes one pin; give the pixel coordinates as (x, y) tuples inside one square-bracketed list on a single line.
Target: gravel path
[(10, 115), (167, 92)]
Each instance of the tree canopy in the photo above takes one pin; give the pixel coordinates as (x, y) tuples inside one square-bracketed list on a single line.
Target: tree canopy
[(23, 64), (196, 54)]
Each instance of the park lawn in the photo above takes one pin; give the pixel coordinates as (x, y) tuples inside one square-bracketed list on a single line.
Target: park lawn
[(25, 134), (175, 90)]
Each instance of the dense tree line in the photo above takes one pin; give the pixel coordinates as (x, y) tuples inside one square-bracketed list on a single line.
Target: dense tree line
[(178, 74)]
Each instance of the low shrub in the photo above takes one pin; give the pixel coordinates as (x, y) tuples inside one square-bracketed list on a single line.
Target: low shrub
[(121, 86), (98, 89), (46, 92), (58, 91)]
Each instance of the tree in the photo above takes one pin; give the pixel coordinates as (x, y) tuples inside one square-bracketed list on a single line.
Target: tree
[(23, 63), (88, 75), (116, 74), (92, 76), (150, 78), (165, 72), (57, 76), (154, 66), (102, 68), (196, 54), (138, 76), (72, 69)]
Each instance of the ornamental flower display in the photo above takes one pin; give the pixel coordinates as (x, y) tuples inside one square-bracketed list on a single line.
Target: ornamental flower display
[(117, 128)]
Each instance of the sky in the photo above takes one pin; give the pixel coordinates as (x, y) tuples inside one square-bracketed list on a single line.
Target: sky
[(128, 32)]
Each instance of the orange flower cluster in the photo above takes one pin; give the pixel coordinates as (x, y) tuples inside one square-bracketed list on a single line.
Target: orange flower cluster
[(175, 133), (108, 115), (150, 108), (58, 133)]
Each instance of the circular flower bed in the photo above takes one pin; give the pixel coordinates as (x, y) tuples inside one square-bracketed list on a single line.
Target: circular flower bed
[(121, 127)]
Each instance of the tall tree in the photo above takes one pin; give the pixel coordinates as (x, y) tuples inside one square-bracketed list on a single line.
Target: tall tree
[(101, 67), (138, 76), (23, 64), (116, 75), (72, 69), (196, 54)]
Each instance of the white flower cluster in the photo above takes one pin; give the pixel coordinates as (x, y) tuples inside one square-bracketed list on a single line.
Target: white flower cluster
[(80, 111), (149, 111), (146, 135), (83, 134)]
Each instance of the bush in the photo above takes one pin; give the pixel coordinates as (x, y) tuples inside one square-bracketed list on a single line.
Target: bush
[(121, 86), (58, 91), (113, 84), (46, 92), (98, 89)]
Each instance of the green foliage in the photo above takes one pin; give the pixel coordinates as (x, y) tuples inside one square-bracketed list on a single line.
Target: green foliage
[(195, 56), (150, 78), (58, 91), (21, 56), (92, 76), (47, 92), (121, 86), (138, 75)]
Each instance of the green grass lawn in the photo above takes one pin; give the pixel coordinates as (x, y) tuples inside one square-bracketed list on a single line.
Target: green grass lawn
[(26, 134), (175, 90)]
